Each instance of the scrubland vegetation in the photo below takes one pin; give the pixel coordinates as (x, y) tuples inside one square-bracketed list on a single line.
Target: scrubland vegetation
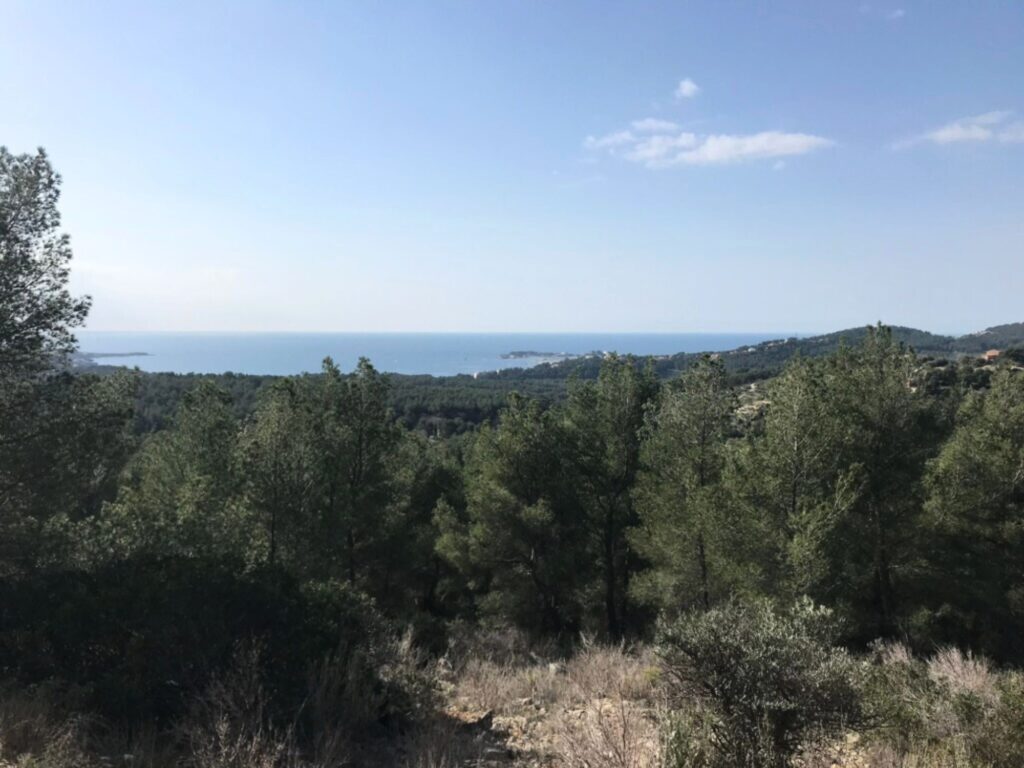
[(824, 568)]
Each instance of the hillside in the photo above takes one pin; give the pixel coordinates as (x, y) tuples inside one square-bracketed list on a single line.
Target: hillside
[(764, 359), (996, 337)]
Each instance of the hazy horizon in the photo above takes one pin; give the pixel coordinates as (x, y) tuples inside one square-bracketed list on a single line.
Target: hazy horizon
[(519, 168), (437, 354), (556, 332)]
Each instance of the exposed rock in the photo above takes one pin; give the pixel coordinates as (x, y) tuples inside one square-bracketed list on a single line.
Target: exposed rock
[(474, 722)]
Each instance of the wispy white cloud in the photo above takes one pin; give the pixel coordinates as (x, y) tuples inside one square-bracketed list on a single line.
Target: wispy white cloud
[(989, 126), (977, 128), (659, 151), (653, 125), (660, 144), (610, 140), (725, 148), (687, 89), (895, 14)]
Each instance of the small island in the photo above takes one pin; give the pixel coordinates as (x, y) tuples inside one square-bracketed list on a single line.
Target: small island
[(523, 354), (115, 354), (92, 359)]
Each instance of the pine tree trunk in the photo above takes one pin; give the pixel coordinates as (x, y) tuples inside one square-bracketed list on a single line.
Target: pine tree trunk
[(883, 582), (702, 560), (611, 607), (351, 557)]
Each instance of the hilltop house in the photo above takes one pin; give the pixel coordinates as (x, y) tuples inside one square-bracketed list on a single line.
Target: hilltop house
[(990, 356)]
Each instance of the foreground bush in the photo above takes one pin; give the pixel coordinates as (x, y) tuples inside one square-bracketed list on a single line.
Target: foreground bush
[(953, 710), (138, 640), (764, 682)]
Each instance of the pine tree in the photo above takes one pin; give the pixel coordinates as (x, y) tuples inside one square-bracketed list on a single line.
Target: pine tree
[(519, 543), (37, 312), (885, 430), (605, 421), (787, 477), (680, 492), (179, 495), (975, 507), (63, 437)]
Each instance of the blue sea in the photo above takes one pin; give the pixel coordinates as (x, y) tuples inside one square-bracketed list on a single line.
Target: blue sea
[(438, 354)]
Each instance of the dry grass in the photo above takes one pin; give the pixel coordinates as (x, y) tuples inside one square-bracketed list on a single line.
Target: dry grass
[(894, 653), (614, 732), (633, 675), (608, 717), (229, 726), (964, 674), (505, 689), (441, 743), (35, 734), (602, 708), (952, 710), (223, 743), (596, 710), (595, 672)]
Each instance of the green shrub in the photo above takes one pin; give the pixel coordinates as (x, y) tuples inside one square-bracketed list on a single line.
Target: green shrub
[(952, 708), (764, 683), (1000, 740)]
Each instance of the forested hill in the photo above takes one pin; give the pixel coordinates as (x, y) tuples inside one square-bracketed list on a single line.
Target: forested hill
[(764, 359), (996, 337)]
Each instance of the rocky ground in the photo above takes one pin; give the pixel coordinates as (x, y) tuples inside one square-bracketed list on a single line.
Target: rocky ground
[(601, 702)]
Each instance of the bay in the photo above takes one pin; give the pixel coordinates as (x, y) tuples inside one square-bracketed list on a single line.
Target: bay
[(438, 354)]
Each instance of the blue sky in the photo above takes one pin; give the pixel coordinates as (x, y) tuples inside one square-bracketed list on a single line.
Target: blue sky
[(530, 166)]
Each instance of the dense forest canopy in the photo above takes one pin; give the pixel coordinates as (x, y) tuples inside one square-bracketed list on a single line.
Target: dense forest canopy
[(151, 523)]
